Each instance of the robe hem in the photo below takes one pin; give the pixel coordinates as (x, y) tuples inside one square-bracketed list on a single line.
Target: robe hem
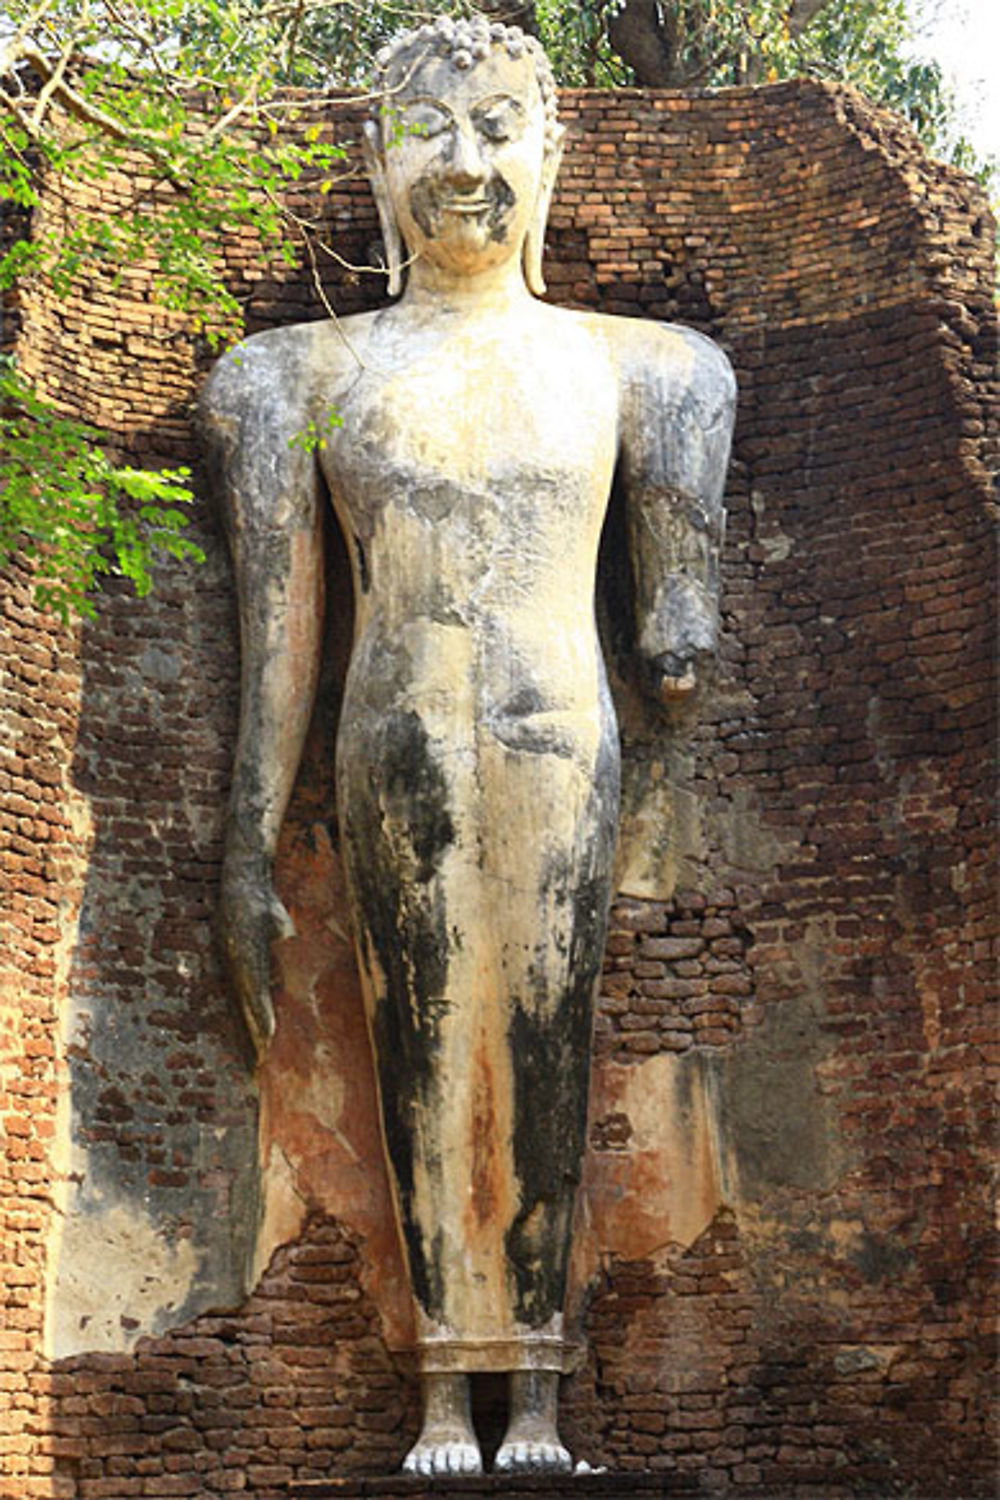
[(491, 1356)]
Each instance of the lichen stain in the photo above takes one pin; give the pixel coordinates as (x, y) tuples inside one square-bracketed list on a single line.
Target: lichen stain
[(484, 1187), (117, 1279)]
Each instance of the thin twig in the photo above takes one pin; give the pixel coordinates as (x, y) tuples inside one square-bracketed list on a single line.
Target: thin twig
[(307, 228), (295, 27), (81, 109), (52, 84), (13, 51), (314, 273), (149, 48)]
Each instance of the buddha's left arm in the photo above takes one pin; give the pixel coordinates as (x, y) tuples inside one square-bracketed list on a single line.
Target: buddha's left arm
[(679, 403)]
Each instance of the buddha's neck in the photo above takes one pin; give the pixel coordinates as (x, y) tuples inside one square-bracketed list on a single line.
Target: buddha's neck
[(496, 290)]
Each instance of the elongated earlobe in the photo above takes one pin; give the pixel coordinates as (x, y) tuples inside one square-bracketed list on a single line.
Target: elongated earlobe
[(371, 149), (534, 240)]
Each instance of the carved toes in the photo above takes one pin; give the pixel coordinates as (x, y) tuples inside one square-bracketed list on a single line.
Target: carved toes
[(447, 1457), (533, 1456)]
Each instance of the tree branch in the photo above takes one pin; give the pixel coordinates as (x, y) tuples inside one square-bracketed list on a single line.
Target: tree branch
[(152, 144), (12, 52), (53, 83), (72, 101)]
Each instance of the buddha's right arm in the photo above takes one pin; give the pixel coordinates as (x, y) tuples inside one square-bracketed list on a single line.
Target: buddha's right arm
[(253, 417)]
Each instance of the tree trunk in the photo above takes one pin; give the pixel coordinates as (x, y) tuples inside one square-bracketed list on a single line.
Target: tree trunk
[(512, 13), (639, 36)]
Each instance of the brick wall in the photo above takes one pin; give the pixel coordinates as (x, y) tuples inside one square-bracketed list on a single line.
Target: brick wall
[(783, 1272)]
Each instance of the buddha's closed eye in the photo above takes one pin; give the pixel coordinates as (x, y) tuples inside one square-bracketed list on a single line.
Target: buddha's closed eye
[(423, 117), (497, 119), (501, 119)]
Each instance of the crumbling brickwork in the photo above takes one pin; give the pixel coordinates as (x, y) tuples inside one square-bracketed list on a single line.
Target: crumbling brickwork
[(793, 1033), (676, 975)]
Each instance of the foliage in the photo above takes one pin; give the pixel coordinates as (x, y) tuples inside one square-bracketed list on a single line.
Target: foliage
[(195, 93), (576, 39), (62, 491), (684, 44), (869, 43), (89, 88)]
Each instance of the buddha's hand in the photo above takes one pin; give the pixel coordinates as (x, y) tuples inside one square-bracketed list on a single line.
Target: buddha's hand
[(251, 918), (673, 679)]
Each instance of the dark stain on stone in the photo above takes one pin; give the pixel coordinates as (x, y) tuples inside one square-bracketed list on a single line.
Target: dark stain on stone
[(611, 1133), (880, 1260), (432, 502), (550, 1040), (523, 701), (415, 791), (778, 1127), (518, 725), (364, 577), (501, 197), (430, 197), (397, 827)]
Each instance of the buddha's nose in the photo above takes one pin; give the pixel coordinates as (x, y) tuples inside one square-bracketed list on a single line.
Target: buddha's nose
[(466, 168)]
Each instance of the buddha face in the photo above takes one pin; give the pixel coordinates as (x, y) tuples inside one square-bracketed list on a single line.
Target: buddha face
[(463, 180)]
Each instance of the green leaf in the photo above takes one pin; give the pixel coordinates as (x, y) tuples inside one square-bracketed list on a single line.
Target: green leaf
[(73, 511)]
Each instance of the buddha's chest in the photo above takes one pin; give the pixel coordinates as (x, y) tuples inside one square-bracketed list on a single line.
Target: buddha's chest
[(468, 422)]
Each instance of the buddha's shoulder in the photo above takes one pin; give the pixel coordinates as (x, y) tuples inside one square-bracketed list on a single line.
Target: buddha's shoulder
[(286, 368), (646, 351)]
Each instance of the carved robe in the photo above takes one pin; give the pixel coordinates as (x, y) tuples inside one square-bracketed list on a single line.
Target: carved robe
[(477, 759)]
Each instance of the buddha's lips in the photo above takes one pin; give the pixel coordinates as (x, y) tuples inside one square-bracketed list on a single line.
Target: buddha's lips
[(434, 196), (465, 205)]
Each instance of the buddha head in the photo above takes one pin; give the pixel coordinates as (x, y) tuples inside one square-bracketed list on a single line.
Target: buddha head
[(463, 148)]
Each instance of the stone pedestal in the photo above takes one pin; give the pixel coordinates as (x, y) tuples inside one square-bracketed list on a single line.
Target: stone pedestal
[(549, 1486)]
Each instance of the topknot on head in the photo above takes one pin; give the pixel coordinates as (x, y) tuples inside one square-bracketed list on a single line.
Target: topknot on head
[(465, 41)]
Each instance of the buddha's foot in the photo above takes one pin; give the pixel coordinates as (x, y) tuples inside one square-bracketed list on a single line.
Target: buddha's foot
[(534, 1455), (447, 1442), (441, 1453), (531, 1444)]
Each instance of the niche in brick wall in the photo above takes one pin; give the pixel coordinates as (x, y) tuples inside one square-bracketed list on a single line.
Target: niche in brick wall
[(783, 1248)]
